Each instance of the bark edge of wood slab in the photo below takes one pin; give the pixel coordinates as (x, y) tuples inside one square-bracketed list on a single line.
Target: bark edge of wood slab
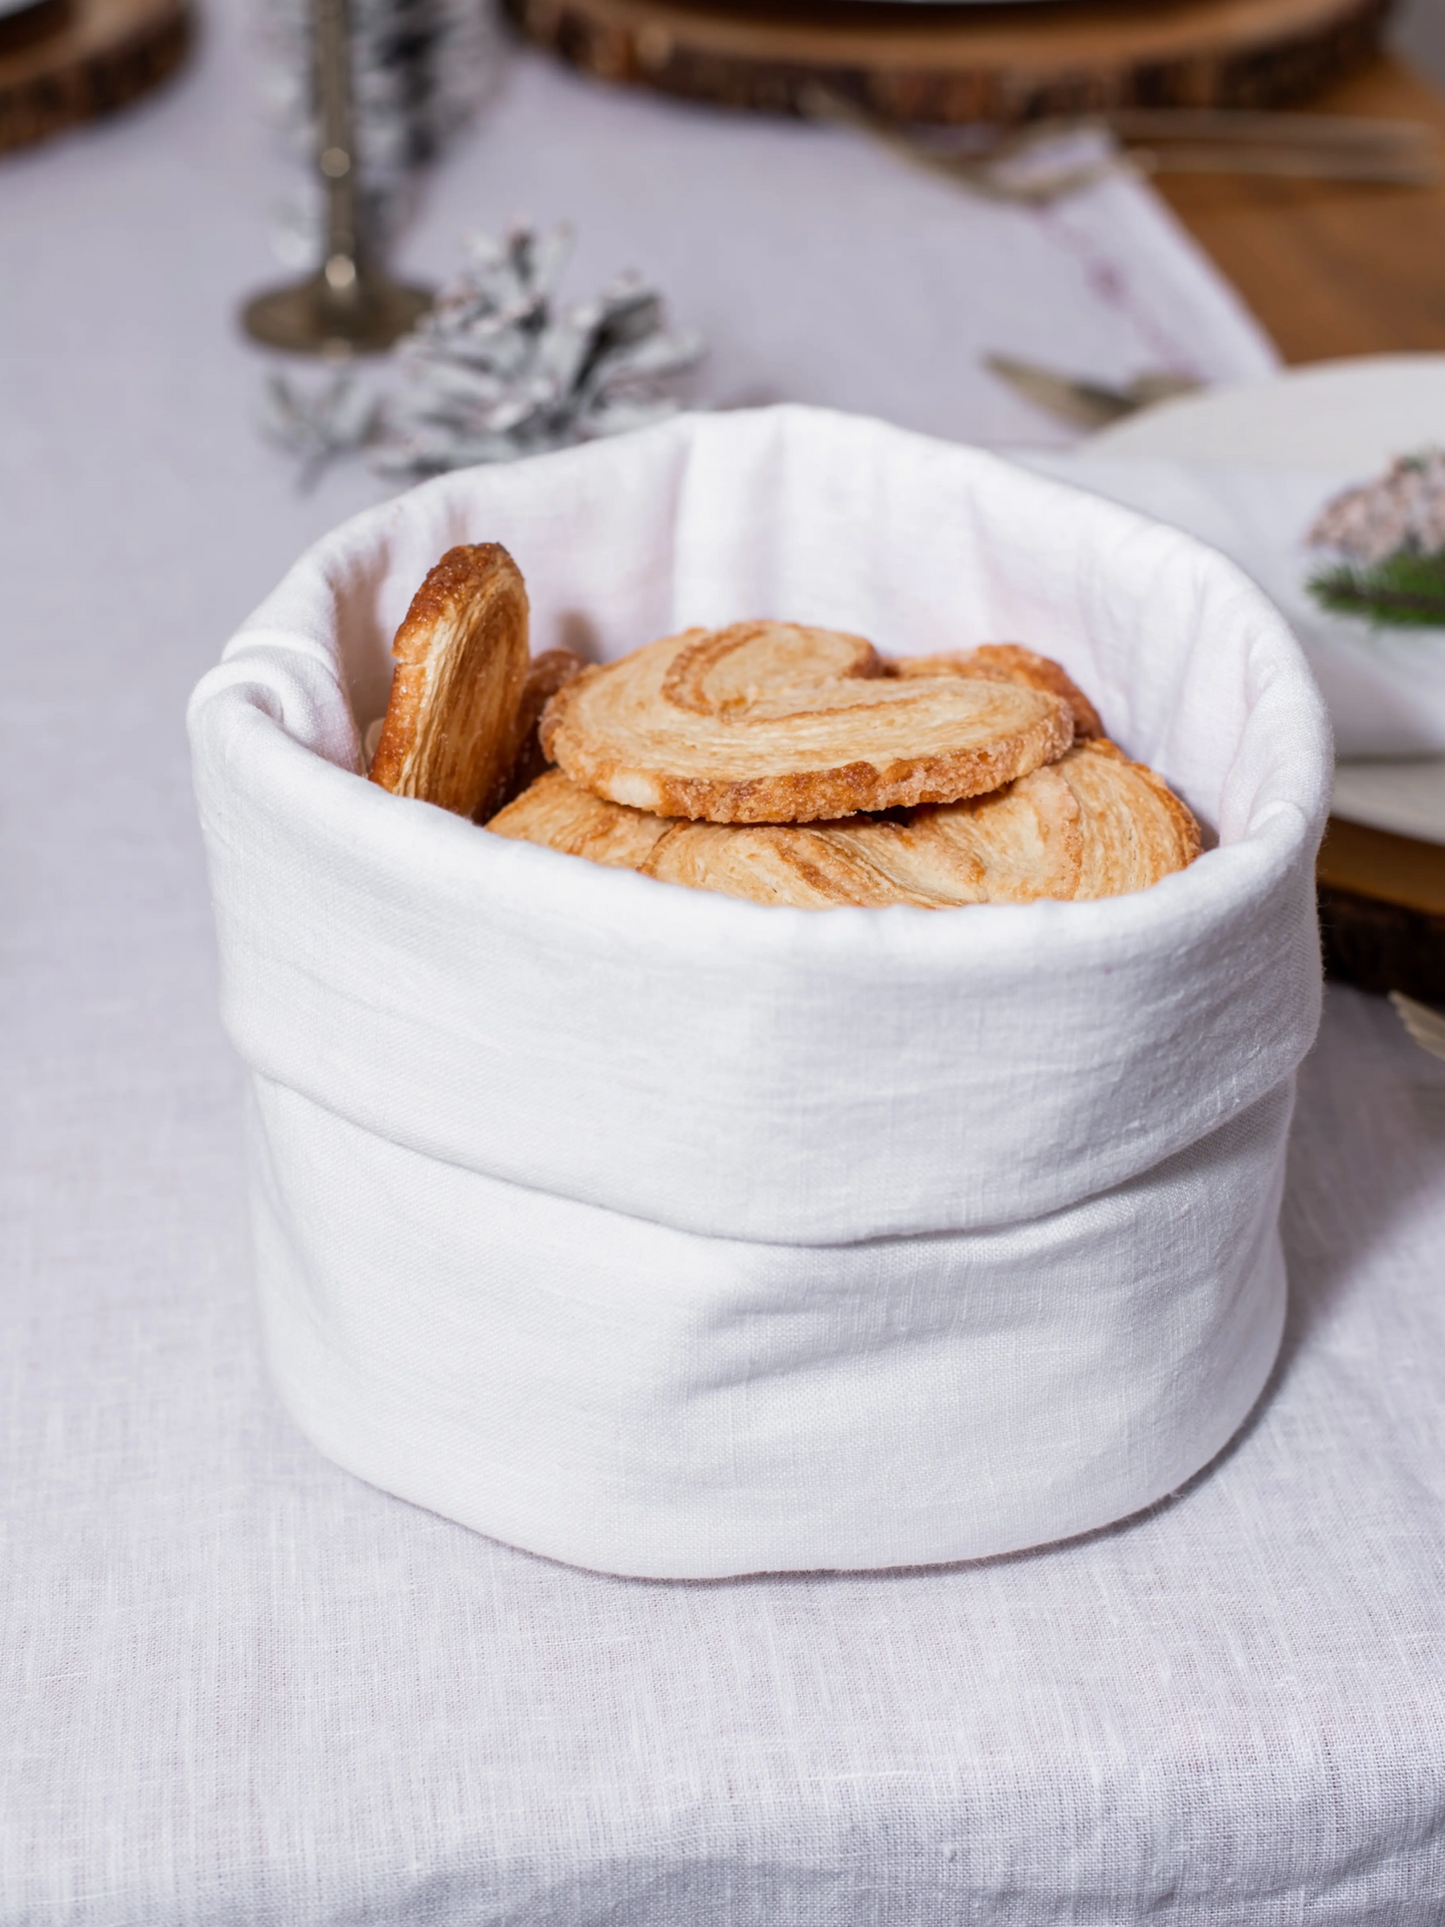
[(68, 61), (1382, 911), (965, 63)]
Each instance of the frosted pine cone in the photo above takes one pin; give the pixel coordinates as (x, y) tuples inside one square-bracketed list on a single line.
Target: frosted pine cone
[(496, 370)]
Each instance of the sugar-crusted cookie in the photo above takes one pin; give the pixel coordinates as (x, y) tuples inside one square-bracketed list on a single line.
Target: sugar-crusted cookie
[(772, 761), (1091, 825), (769, 723), (451, 730), (1017, 845), (1135, 829), (1008, 662), (804, 865), (721, 672), (1014, 845), (557, 814)]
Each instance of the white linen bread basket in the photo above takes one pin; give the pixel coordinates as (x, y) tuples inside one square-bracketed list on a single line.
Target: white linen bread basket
[(670, 1235)]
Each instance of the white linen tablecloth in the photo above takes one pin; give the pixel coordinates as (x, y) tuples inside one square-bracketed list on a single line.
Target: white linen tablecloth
[(237, 1686)]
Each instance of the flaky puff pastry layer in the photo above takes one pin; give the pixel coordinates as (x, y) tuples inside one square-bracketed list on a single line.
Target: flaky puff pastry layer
[(453, 723), (1091, 825), (1008, 662), (771, 722)]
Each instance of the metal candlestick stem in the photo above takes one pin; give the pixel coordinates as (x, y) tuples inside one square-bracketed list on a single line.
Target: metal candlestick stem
[(350, 306)]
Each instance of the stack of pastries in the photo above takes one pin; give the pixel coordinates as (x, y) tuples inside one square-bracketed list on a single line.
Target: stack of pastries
[(771, 761)]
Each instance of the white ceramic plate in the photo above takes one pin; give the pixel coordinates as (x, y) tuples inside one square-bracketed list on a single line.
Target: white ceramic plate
[(1332, 415)]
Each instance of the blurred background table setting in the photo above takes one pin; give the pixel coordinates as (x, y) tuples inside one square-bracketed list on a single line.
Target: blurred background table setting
[(1184, 255)]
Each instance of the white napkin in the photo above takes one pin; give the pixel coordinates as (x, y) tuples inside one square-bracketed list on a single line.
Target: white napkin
[(673, 1235), (1385, 687)]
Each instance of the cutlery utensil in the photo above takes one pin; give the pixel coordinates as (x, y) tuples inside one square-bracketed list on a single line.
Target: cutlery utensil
[(1081, 401), (1425, 1025)]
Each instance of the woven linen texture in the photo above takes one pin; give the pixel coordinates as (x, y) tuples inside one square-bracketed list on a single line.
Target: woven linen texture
[(678, 1237), (243, 1687)]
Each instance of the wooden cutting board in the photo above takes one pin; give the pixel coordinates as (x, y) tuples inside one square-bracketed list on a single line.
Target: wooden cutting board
[(1382, 910), (66, 61), (963, 63)]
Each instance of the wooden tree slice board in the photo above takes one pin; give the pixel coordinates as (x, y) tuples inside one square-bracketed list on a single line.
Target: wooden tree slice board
[(1382, 910), (66, 61), (966, 63)]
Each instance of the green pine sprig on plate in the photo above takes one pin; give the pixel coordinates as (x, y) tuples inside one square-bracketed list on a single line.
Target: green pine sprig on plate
[(1405, 590)]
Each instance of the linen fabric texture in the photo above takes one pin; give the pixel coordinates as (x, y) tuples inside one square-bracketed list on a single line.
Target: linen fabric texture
[(679, 1237)]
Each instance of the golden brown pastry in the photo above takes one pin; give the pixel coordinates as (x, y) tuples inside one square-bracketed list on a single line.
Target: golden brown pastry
[(1091, 825), (807, 866), (721, 672), (1008, 662), (772, 761), (767, 723), (1017, 845), (1135, 829), (546, 674), (451, 730), (559, 816), (1012, 846)]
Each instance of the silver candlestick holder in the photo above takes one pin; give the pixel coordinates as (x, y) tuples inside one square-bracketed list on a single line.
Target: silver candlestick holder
[(350, 306)]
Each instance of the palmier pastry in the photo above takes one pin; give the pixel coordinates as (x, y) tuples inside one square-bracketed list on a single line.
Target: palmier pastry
[(808, 866), (1008, 662), (1094, 824), (1091, 825), (1135, 830), (557, 814), (769, 723), (451, 732)]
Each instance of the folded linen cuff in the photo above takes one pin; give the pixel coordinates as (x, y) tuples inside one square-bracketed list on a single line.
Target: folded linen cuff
[(620, 1394)]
